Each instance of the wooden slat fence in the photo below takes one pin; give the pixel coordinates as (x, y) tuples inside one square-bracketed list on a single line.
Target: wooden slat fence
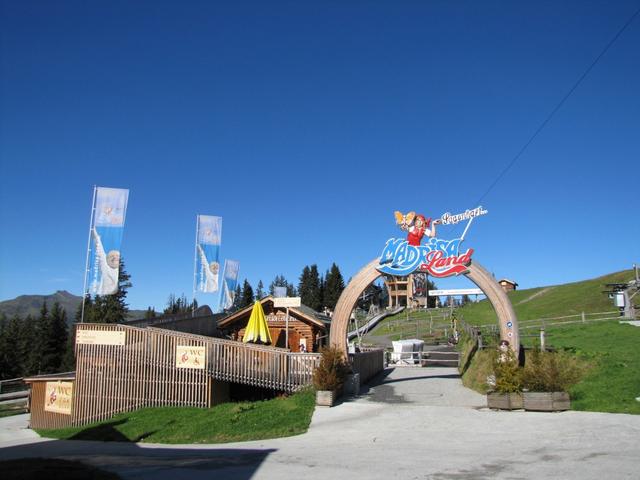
[(143, 372), (368, 363)]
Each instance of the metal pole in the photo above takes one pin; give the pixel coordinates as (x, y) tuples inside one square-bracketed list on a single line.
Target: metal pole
[(466, 228), (86, 265), (286, 334), (195, 269)]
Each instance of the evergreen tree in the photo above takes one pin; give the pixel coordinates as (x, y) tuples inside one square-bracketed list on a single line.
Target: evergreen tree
[(110, 308), (291, 290), (42, 328), (54, 340), (465, 300), (237, 298), (323, 285), (279, 281), (309, 287), (12, 360), (260, 290), (27, 350), (178, 306), (150, 313), (5, 359), (334, 287), (247, 297), (304, 289)]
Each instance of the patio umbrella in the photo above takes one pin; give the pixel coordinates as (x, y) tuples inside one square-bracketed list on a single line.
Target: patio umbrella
[(257, 330)]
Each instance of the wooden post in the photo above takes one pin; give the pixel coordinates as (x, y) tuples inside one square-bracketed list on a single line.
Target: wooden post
[(583, 318), (542, 339)]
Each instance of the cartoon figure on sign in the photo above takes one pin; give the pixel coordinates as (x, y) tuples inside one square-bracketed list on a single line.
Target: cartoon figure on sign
[(52, 397), (109, 267), (184, 357), (417, 226), (210, 273)]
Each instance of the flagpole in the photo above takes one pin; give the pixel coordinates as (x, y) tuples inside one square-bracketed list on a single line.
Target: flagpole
[(195, 269), (86, 265), (466, 228)]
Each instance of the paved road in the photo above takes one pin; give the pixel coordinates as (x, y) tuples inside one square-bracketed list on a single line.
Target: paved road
[(414, 424)]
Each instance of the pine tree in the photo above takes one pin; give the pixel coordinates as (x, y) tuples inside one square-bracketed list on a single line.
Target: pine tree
[(177, 306), (247, 295), (5, 358), (150, 313), (237, 298), (55, 340), (110, 308), (291, 290), (309, 287), (279, 281), (260, 290), (334, 287), (323, 285), (304, 289)]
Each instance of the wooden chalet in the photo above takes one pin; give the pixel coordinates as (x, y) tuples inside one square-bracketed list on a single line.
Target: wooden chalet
[(306, 326), (507, 285)]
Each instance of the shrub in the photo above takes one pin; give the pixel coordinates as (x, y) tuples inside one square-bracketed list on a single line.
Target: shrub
[(552, 371), (332, 371), (508, 374)]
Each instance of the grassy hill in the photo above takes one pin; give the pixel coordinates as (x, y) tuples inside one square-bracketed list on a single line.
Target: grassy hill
[(552, 301)]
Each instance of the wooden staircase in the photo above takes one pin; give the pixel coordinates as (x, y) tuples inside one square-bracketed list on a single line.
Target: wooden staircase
[(442, 356)]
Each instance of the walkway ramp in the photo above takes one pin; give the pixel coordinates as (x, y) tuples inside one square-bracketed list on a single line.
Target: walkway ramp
[(434, 386)]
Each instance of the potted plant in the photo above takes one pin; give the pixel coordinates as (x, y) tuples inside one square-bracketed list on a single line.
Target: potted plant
[(546, 378), (329, 376), (507, 389)]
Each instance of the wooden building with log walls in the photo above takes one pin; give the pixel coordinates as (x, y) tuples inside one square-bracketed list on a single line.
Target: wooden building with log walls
[(306, 326)]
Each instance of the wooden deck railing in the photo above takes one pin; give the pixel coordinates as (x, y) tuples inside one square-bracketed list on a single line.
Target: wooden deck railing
[(143, 372)]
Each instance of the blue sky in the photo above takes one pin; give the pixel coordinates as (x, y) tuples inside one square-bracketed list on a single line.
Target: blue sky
[(305, 125)]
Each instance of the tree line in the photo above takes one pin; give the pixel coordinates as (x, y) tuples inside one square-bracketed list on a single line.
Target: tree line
[(316, 291)]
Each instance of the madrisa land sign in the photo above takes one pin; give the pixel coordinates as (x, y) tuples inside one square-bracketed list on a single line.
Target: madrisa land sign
[(438, 257)]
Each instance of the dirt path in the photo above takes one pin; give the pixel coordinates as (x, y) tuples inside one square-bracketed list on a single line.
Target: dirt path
[(537, 294)]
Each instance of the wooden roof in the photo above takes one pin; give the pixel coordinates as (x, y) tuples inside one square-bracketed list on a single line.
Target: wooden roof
[(303, 313), (507, 281)]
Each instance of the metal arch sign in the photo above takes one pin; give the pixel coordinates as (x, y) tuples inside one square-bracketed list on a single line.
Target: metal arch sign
[(438, 257)]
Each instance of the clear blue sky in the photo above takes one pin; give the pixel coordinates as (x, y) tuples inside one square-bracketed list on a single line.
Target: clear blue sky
[(305, 125)]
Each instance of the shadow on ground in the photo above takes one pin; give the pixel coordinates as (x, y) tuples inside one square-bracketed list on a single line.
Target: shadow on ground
[(130, 460)]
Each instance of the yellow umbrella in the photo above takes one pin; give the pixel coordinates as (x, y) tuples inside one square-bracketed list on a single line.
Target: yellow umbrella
[(257, 330)]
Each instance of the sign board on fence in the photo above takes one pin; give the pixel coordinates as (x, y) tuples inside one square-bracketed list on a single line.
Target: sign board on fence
[(456, 291), (189, 356), (100, 337), (285, 302), (59, 397)]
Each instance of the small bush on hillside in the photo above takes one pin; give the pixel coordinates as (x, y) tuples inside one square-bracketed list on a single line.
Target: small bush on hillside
[(332, 371), (552, 371)]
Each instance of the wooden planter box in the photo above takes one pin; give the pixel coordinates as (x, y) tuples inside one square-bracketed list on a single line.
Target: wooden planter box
[(326, 398), (505, 401), (546, 401)]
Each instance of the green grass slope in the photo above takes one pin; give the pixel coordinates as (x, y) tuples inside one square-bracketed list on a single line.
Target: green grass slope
[(228, 422), (553, 301)]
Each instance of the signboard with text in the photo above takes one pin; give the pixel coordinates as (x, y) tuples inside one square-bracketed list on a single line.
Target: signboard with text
[(437, 256), (100, 337), (285, 302), (59, 397), (189, 356)]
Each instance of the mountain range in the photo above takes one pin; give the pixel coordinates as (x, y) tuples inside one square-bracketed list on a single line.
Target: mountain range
[(31, 304)]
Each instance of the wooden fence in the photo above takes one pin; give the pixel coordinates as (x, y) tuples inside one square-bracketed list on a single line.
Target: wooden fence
[(144, 370), (368, 363)]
